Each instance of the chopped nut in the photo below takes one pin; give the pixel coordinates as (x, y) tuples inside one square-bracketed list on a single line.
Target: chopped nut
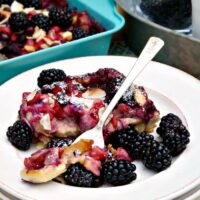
[(16, 7), (139, 97), (67, 35), (29, 48), (94, 93), (39, 34)]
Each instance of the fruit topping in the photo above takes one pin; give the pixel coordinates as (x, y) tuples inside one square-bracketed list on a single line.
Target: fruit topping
[(44, 165), (60, 142), (156, 156), (43, 24), (41, 21), (37, 4), (131, 140), (79, 33), (118, 172), (174, 134), (18, 21), (50, 76), (60, 17), (20, 135), (113, 85), (77, 175)]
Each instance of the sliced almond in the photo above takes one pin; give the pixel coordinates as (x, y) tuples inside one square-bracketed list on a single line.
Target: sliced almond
[(16, 7), (28, 10), (39, 34), (133, 120), (139, 97), (94, 93), (45, 122)]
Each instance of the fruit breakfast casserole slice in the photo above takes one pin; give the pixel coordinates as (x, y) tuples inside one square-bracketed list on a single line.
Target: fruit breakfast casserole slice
[(74, 104)]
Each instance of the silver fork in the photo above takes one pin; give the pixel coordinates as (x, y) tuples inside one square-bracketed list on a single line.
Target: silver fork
[(152, 47)]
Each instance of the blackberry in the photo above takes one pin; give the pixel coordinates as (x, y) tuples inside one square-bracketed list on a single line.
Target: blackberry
[(113, 85), (131, 140), (170, 121), (79, 33), (156, 156), (46, 89), (60, 142), (118, 172), (174, 134), (18, 21), (50, 76), (41, 21), (37, 4), (60, 17), (77, 175), (128, 98), (62, 98), (20, 135), (175, 14), (8, 2)]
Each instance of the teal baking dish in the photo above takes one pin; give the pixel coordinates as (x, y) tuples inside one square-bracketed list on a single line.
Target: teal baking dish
[(103, 11)]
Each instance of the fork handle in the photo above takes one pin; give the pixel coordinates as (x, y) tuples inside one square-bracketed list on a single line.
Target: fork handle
[(152, 47)]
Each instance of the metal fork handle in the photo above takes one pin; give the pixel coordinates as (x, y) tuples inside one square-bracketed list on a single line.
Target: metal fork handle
[(152, 47)]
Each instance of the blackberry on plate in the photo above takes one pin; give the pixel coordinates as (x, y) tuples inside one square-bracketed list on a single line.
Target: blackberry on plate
[(79, 33), (18, 21), (175, 14), (118, 172), (60, 17), (62, 98), (77, 175), (60, 142), (156, 156), (131, 140), (20, 135), (7, 2), (174, 134), (170, 121), (41, 21), (50, 76)]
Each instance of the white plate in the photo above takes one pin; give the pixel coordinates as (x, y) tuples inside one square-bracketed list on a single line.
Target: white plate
[(171, 90)]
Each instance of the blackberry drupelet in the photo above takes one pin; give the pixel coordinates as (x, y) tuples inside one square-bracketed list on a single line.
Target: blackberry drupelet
[(174, 134), (41, 21), (113, 85), (77, 175), (18, 21), (60, 17), (60, 142), (131, 140), (62, 98), (8, 2), (78, 33), (20, 135), (156, 156), (50, 76), (175, 14), (118, 172)]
